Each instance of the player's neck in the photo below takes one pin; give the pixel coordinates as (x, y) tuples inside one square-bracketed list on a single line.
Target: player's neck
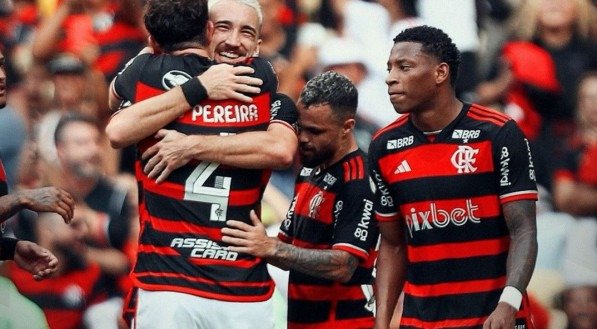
[(438, 116), (346, 148)]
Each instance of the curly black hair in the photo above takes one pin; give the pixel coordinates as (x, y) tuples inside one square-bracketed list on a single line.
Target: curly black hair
[(334, 89), (436, 43), (176, 24)]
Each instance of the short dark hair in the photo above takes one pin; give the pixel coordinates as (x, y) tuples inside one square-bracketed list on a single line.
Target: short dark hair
[(69, 118), (436, 43), (175, 24), (333, 89)]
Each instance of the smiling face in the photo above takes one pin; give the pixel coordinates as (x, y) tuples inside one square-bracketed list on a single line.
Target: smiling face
[(236, 32), (412, 77), (79, 149)]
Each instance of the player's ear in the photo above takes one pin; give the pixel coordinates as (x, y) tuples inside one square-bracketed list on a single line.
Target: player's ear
[(256, 52), (209, 30), (442, 73), (154, 45), (348, 126)]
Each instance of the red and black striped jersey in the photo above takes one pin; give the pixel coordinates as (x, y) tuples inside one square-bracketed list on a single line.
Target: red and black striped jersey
[(180, 247), (332, 209), (448, 193), (3, 184), (62, 298)]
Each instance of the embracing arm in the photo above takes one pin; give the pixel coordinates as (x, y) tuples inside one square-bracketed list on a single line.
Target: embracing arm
[(336, 265), (144, 118), (390, 274)]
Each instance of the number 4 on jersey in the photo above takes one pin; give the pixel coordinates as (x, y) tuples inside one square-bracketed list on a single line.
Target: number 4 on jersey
[(218, 195)]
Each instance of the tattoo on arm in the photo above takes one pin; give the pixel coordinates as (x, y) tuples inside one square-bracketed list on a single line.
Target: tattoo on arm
[(521, 220), (336, 265)]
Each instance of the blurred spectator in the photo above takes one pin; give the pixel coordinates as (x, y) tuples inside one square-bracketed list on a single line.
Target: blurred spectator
[(575, 181), (74, 286), (104, 206), (553, 35), (75, 90), (105, 34), (580, 305), (278, 33), (465, 34)]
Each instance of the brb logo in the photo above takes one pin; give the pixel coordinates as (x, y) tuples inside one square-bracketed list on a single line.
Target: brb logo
[(434, 217), (464, 159)]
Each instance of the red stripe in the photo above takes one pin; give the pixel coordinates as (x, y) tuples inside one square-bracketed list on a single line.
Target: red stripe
[(2, 172), (309, 245), (180, 227), (458, 250), (520, 196), (359, 253), (454, 288), (144, 91), (486, 119), (242, 263), (241, 284), (397, 123), (346, 171), (457, 323), (481, 110), (335, 324), (360, 168), (353, 169), (146, 248), (229, 298), (421, 167), (325, 293), (303, 207)]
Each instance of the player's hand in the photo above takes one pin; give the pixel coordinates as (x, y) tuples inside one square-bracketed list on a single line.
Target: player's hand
[(503, 317), (49, 199), (249, 239), (167, 155), (35, 259), (224, 81)]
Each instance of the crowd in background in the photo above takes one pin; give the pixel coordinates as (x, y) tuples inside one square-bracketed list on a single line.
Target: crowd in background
[(536, 60)]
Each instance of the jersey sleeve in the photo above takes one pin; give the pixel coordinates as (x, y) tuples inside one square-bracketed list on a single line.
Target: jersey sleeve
[(265, 71), (283, 110), (512, 156), (383, 202), (355, 230), (125, 82)]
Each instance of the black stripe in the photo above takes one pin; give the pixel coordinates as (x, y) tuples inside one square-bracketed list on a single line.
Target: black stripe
[(300, 311), (473, 268), (463, 186), (458, 306), (352, 309)]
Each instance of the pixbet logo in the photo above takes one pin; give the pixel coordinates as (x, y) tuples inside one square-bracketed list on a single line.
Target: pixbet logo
[(434, 217)]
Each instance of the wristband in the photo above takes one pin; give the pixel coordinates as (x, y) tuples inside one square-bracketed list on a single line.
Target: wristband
[(194, 92), (7, 248), (512, 297)]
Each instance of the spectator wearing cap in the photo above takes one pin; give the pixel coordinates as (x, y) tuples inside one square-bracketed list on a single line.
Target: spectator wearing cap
[(348, 58), (76, 89)]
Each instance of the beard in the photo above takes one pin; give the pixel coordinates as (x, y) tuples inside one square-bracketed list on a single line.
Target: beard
[(311, 158)]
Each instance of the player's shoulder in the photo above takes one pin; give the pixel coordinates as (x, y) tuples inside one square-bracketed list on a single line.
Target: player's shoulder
[(487, 115), (354, 167), (263, 70)]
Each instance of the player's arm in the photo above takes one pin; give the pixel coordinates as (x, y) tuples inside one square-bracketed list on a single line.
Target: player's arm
[(390, 271), (144, 118), (46, 199), (574, 197), (336, 265), (273, 148)]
